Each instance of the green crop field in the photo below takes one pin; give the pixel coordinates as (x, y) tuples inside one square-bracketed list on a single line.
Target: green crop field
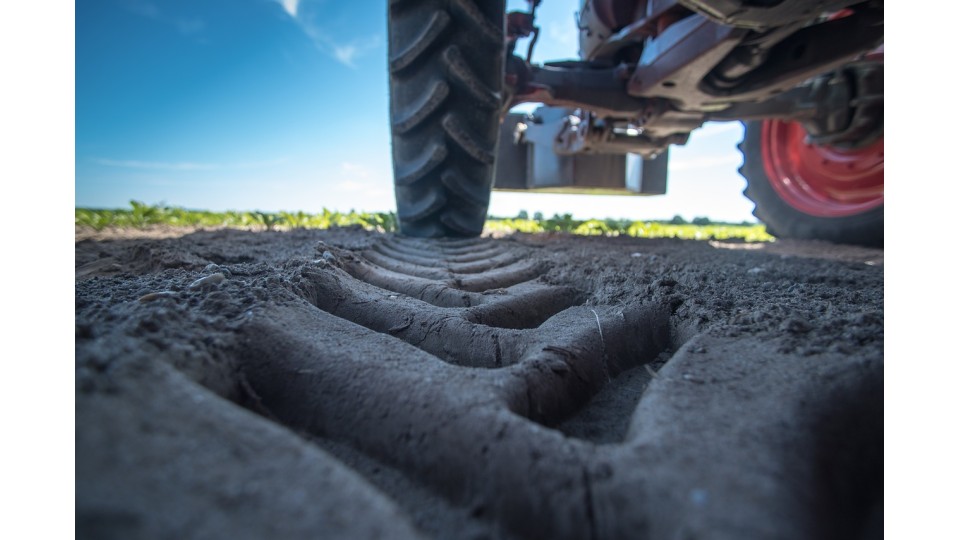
[(140, 216)]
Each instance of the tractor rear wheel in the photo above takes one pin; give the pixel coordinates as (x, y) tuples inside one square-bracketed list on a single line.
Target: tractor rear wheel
[(446, 74), (805, 190)]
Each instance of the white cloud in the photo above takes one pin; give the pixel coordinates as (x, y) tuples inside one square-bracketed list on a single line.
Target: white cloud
[(166, 166), (184, 165), (290, 6), (347, 53)]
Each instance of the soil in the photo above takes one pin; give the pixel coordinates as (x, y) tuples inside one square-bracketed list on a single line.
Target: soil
[(350, 384)]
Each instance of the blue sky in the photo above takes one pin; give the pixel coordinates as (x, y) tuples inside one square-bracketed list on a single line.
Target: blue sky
[(270, 105)]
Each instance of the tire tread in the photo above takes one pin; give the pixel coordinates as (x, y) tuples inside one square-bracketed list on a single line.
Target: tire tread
[(446, 71)]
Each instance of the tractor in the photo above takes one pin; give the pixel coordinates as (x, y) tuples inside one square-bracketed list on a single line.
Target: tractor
[(804, 76)]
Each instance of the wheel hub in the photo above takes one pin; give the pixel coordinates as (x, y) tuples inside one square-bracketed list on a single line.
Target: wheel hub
[(821, 180)]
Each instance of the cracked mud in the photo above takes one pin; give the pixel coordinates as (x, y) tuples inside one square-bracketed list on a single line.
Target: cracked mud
[(347, 384)]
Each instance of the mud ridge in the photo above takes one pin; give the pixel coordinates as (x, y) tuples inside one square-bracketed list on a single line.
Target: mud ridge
[(480, 263), (472, 254)]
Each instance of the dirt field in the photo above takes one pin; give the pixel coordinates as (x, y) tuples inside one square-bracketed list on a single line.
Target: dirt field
[(348, 384)]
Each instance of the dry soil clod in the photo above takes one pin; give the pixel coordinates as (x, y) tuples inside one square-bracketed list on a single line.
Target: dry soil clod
[(205, 281), (150, 297)]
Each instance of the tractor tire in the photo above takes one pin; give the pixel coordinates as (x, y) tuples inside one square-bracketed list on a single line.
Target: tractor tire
[(446, 75), (802, 190)]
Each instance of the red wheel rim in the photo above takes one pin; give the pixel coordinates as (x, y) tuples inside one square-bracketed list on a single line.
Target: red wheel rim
[(824, 181)]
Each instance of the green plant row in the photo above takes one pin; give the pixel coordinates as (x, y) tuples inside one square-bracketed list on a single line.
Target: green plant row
[(141, 215), (753, 232)]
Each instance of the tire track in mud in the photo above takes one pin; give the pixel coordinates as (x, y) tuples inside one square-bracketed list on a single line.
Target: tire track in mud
[(511, 323), (457, 368), (483, 438), (543, 356)]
